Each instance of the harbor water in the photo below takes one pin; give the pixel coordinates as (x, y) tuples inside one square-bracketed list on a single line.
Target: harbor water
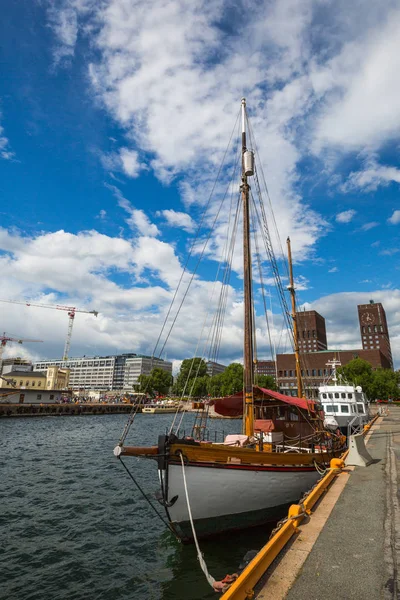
[(73, 525)]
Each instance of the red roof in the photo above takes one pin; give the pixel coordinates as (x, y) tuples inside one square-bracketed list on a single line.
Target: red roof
[(232, 406)]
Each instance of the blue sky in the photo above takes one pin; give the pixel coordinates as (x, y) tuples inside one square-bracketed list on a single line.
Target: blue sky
[(115, 116)]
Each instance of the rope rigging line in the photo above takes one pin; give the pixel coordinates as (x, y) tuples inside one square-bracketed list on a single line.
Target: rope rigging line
[(194, 241), (194, 271), (200, 556), (129, 423), (253, 206), (270, 253), (206, 318), (143, 494), (221, 311), (223, 260), (254, 145)]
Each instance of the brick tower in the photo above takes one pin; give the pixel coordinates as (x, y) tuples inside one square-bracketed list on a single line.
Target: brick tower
[(374, 329), (312, 331)]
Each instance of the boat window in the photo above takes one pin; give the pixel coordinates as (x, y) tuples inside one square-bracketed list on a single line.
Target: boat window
[(294, 416), (332, 408), (360, 407), (344, 408), (343, 395), (320, 372), (330, 395), (336, 394), (280, 413), (324, 396), (350, 396)]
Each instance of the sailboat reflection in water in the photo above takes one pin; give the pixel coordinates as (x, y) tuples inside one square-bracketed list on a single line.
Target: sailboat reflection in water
[(244, 480)]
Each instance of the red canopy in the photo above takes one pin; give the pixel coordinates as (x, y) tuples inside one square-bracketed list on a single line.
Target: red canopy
[(232, 406)]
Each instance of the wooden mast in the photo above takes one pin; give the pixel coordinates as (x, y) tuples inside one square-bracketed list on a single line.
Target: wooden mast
[(300, 392), (248, 421)]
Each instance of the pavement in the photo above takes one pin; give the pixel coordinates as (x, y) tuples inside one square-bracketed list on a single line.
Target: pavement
[(355, 554)]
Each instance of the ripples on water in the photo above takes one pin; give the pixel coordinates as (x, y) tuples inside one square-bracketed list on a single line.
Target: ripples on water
[(72, 525)]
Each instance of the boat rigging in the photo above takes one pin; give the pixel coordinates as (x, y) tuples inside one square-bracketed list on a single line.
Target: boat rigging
[(246, 478)]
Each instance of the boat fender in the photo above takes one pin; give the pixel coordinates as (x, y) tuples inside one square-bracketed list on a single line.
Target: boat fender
[(225, 583)]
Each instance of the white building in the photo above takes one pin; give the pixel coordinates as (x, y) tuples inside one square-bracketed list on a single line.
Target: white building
[(142, 365), (16, 364), (214, 368), (105, 372)]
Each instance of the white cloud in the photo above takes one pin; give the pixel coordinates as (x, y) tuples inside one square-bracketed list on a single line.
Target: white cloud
[(102, 214), (178, 219), (368, 226), (130, 162), (371, 177), (346, 216), (389, 251), (179, 104), (124, 161), (360, 85), (395, 218), (333, 270), (138, 221), (5, 151)]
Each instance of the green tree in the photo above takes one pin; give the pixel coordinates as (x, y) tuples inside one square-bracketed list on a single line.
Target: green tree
[(379, 384), (359, 372), (232, 379), (199, 386), (191, 369), (385, 384), (158, 381), (215, 385), (266, 382), (161, 380)]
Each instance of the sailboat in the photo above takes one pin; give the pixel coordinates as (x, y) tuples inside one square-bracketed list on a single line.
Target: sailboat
[(208, 488)]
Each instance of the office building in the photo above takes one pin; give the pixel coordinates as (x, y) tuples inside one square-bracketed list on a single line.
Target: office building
[(214, 368), (116, 372)]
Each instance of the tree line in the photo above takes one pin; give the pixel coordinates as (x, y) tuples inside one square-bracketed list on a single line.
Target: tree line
[(194, 381), (380, 384)]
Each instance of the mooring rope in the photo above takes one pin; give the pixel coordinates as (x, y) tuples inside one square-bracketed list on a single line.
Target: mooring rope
[(200, 556)]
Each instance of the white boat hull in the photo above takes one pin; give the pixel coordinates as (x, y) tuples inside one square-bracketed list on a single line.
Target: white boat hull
[(227, 498)]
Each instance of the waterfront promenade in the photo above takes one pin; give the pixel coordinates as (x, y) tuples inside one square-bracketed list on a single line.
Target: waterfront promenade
[(350, 547)]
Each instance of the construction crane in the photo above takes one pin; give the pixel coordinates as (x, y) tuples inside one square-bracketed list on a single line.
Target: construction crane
[(71, 310), (4, 339)]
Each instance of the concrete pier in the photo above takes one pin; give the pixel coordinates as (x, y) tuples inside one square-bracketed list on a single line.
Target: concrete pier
[(62, 410), (350, 548)]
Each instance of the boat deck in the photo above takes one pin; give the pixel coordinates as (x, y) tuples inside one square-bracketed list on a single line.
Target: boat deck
[(350, 547)]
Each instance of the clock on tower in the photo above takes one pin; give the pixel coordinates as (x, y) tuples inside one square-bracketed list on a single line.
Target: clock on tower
[(367, 318)]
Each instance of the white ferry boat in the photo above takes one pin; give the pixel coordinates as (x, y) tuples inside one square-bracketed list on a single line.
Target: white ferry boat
[(343, 401)]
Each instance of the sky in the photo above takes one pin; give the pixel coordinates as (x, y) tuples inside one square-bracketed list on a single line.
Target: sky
[(114, 118)]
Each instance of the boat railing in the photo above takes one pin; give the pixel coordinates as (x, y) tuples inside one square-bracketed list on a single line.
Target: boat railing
[(285, 448), (355, 426), (206, 435)]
